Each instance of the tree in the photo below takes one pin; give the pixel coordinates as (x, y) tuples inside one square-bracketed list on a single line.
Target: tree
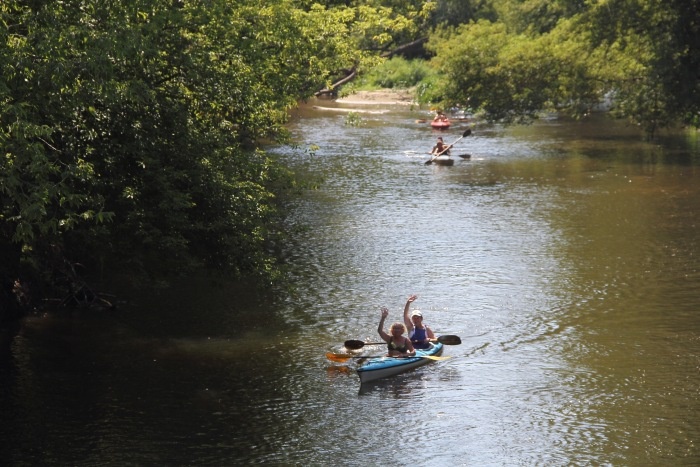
[(536, 16), (508, 77), (658, 43), (130, 131), (570, 56)]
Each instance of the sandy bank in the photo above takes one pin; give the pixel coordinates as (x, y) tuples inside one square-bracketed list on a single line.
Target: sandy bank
[(380, 97)]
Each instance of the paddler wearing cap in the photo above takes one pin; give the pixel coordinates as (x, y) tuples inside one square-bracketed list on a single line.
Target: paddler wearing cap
[(419, 333)]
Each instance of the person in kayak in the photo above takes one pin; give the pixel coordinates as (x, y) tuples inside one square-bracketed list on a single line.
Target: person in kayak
[(440, 146), (420, 335), (397, 344), (440, 116)]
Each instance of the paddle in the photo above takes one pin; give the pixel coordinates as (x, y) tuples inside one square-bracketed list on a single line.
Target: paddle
[(353, 344), (464, 135), (342, 358)]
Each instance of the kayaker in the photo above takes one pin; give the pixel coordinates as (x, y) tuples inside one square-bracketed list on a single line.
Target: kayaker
[(440, 117), (420, 334), (397, 344), (440, 146)]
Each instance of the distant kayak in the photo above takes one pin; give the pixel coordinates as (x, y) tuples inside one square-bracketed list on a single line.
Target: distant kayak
[(440, 124)]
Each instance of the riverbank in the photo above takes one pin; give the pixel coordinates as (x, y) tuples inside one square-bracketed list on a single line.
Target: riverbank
[(380, 97)]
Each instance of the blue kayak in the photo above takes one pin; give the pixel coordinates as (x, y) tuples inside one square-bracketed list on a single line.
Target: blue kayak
[(382, 367)]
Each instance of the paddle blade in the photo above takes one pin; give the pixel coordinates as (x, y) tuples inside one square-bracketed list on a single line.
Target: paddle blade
[(467, 132), (450, 340), (353, 344), (334, 357), (433, 357)]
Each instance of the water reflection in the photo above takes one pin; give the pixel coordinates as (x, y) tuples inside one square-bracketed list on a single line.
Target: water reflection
[(397, 388)]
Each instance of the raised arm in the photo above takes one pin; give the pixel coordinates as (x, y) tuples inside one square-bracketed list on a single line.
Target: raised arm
[(406, 316), (380, 328)]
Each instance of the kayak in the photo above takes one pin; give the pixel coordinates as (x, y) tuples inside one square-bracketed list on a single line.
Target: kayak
[(382, 367), (440, 124), (443, 160)]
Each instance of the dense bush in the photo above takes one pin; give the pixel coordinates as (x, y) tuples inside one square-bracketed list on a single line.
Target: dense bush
[(396, 72)]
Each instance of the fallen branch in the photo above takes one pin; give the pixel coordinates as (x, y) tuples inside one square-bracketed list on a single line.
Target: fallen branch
[(332, 89)]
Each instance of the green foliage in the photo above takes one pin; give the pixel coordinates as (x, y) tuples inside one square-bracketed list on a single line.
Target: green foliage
[(535, 16), (431, 90), (353, 119), (657, 48), (395, 21), (571, 55), (456, 12), (508, 77), (396, 72), (128, 128)]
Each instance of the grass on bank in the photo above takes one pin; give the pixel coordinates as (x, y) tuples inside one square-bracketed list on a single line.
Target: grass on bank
[(399, 73)]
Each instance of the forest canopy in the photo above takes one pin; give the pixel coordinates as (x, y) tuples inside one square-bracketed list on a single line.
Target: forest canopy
[(131, 131)]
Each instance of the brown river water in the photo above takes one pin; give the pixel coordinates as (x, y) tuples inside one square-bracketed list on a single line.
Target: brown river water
[(566, 255)]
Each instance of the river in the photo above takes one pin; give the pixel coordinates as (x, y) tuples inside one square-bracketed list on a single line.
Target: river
[(566, 255)]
